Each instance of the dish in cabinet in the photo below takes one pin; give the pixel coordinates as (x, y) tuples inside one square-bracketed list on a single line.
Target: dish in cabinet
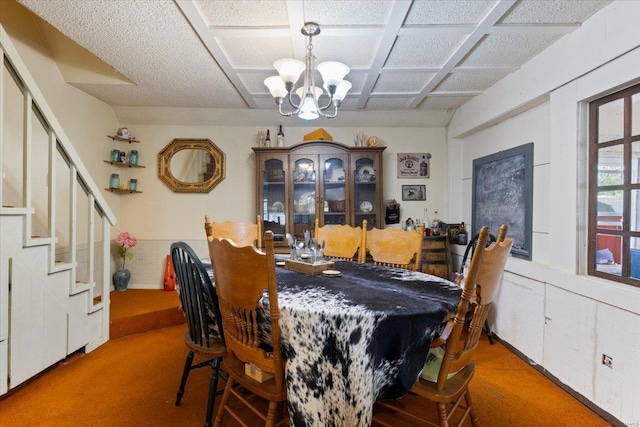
[(366, 206), (365, 173)]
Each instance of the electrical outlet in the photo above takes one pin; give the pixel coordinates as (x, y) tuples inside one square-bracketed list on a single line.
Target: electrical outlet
[(607, 361)]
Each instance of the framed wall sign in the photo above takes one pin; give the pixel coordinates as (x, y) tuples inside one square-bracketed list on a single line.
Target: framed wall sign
[(414, 192), (414, 165), (453, 231), (503, 194)]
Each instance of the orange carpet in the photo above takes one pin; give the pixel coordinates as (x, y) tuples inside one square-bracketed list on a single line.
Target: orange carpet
[(132, 381)]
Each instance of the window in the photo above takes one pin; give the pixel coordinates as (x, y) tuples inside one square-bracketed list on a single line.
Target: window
[(614, 186)]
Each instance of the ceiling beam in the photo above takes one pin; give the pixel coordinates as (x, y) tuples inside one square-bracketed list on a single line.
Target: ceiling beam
[(496, 13), (398, 14), (192, 14)]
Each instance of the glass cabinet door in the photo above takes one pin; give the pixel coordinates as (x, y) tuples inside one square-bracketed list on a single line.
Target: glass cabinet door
[(273, 208), (304, 195), (334, 195), (365, 187)]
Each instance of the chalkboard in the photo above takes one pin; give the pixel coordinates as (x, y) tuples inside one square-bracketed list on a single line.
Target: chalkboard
[(503, 194)]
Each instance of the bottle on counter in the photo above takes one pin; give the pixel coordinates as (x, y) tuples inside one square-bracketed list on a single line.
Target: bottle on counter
[(427, 224), (463, 235), (280, 137), (267, 140), (435, 224)]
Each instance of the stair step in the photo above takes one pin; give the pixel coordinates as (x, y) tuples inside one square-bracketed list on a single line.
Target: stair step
[(141, 310)]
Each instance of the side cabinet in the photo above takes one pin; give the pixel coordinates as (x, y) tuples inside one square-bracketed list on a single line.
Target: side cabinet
[(331, 181)]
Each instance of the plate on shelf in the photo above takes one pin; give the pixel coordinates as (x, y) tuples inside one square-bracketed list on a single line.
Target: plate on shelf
[(366, 206), (365, 173), (331, 273)]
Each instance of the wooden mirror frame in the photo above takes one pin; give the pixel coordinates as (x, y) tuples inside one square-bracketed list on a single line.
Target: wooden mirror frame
[(178, 144)]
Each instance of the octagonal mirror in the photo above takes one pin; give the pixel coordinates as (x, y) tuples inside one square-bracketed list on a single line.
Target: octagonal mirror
[(191, 165)]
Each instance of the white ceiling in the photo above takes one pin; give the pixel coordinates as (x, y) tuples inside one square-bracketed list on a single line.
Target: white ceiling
[(203, 61)]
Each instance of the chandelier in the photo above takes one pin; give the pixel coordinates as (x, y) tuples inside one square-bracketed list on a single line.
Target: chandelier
[(308, 106)]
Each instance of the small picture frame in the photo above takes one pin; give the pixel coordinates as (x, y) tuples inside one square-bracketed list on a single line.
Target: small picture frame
[(414, 192), (453, 231)]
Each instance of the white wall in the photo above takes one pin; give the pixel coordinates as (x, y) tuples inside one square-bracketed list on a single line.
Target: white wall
[(548, 308)]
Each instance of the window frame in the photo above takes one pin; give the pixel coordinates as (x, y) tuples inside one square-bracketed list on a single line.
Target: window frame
[(626, 187)]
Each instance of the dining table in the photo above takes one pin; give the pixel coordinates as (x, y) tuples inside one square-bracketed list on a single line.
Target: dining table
[(355, 337)]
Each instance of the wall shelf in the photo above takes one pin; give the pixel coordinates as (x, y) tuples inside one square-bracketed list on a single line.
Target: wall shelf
[(117, 190), (123, 165), (123, 139)]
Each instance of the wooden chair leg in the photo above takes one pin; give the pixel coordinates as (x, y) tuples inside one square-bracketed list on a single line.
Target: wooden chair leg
[(224, 402), (487, 329), (272, 413), (442, 415), (472, 412), (213, 390), (185, 375)]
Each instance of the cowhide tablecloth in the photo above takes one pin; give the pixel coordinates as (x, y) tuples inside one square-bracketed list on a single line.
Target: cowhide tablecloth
[(351, 340)]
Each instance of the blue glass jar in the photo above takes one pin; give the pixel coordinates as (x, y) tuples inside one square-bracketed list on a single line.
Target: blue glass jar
[(114, 181), (133, 157), (133, 184), (115, 155)]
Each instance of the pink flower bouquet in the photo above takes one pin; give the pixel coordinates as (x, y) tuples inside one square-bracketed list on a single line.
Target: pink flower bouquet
[(126, 241)]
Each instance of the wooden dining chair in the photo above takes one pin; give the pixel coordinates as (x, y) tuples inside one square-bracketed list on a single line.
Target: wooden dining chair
[(200, 306), (489, 278), (342, 242), (447, 373), (242, 233), (395, 247), (241, 275)]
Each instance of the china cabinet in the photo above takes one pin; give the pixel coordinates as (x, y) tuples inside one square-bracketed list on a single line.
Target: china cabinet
[(121, 160), (331, 181)]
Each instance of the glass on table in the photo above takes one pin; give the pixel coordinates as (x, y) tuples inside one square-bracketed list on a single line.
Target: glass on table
[(299, 250), (316, 256)]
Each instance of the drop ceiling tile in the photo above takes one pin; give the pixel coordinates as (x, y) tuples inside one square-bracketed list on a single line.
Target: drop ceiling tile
[(353, 51), (243, 13), (401, 82), (357, 81), (255, 51), (476, 81), (444, 102), (423, 51), (553, 12), (508, 50), (448, 12), (266, 103), (388, 103), (255, 81), (347, 12)]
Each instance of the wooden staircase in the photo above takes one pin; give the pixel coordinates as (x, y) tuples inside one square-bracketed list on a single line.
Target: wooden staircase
[(55, 228)]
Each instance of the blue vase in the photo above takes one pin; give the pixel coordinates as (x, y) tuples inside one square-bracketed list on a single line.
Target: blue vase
[(121, 279)]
